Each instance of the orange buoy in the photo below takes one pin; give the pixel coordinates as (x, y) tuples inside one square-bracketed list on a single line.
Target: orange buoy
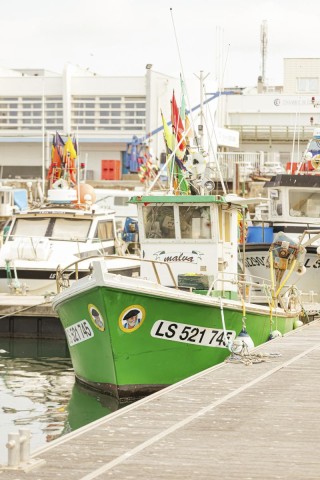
[(86, 189)]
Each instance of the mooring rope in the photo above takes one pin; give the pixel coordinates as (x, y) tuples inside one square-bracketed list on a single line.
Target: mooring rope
[(24, 309), (244, 356)]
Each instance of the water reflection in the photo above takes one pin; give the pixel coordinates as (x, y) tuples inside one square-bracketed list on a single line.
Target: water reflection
[(86, 406), (38, 391)]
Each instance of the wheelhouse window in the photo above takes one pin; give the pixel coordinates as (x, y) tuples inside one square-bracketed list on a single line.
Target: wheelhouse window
[(195, 222), (70, 229), (27, 227), (105, 230), (54, 228), (185, 222), (304, 204), (159, 222)]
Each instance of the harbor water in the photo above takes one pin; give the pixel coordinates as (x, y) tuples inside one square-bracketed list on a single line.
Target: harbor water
[(38, 392)]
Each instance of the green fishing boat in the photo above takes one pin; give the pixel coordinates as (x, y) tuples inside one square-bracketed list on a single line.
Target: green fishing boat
[(189, 310), (191, 306)]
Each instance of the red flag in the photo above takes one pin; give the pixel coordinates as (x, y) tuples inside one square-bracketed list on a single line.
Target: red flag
[(177, 123)]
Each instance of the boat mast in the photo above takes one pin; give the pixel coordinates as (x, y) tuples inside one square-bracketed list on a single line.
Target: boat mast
[(200, 126)]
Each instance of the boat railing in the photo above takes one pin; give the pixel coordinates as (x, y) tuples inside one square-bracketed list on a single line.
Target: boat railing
[(259, 290), (71, 272), (244, 285)]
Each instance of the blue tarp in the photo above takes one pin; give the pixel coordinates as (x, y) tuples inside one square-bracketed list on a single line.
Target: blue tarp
[(20, 198)]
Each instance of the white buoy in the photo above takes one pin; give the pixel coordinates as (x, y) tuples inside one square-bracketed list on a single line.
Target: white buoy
[(297, 324), (242, 339), (237, 345), (274, 334)]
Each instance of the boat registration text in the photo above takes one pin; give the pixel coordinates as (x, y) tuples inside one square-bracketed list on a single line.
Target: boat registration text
[(79, 332), (180, 332)]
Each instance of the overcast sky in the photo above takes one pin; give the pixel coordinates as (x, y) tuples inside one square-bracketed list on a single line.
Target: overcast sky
[(119, 37)]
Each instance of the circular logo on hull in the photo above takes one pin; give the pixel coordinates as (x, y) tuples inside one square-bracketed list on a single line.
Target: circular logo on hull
[(131, 318), (96, 317)]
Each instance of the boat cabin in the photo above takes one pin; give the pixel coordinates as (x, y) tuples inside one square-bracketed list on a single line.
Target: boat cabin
[(195, 234), (117, 200), (34, 235), (294, 199)]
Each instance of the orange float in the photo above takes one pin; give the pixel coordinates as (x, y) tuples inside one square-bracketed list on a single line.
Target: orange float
[(86, 189)]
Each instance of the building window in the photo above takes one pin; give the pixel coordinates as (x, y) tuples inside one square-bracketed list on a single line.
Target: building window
[(109, 113), (308, 85), (125, 114), (26, 113)]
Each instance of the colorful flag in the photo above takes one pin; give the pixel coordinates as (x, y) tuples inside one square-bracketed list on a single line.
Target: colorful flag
[(189, 131), (75, 144), (57, 146), (56, 157), (167, 134), (177, 124), (69, 149), (175, 165)]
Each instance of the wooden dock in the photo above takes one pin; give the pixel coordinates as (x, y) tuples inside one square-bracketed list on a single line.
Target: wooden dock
[(259, 420)]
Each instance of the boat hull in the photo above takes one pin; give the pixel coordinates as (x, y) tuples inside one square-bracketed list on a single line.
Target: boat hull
[(175, 338)]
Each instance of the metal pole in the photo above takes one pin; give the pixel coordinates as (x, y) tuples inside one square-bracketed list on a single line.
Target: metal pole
[(244, 253), (43, 141)]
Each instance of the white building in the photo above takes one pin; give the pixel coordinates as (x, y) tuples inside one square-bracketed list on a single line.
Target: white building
[(277, 119), (107, 112), (104, 112)]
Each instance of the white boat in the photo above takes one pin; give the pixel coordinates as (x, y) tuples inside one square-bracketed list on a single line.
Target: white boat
[(40, 240), (293, 207), (126, 216), (66, 227), (12, 199), (117, 200)]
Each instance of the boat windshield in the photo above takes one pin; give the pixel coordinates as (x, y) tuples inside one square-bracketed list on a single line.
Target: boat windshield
[(195, 222), (185, 222), (159, 222), (304, 204), (54, 228)]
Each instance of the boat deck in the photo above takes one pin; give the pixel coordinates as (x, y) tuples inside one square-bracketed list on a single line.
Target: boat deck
[(252, 420)]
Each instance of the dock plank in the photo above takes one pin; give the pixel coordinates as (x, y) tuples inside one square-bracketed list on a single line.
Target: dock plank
[(232, 421)]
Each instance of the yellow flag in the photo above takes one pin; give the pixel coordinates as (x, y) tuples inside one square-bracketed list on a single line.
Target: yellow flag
[(167, 133), (68, 147), (188, 128)]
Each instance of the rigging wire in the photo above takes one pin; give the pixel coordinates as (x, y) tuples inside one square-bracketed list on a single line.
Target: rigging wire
[(183, 75), (198, 143)]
